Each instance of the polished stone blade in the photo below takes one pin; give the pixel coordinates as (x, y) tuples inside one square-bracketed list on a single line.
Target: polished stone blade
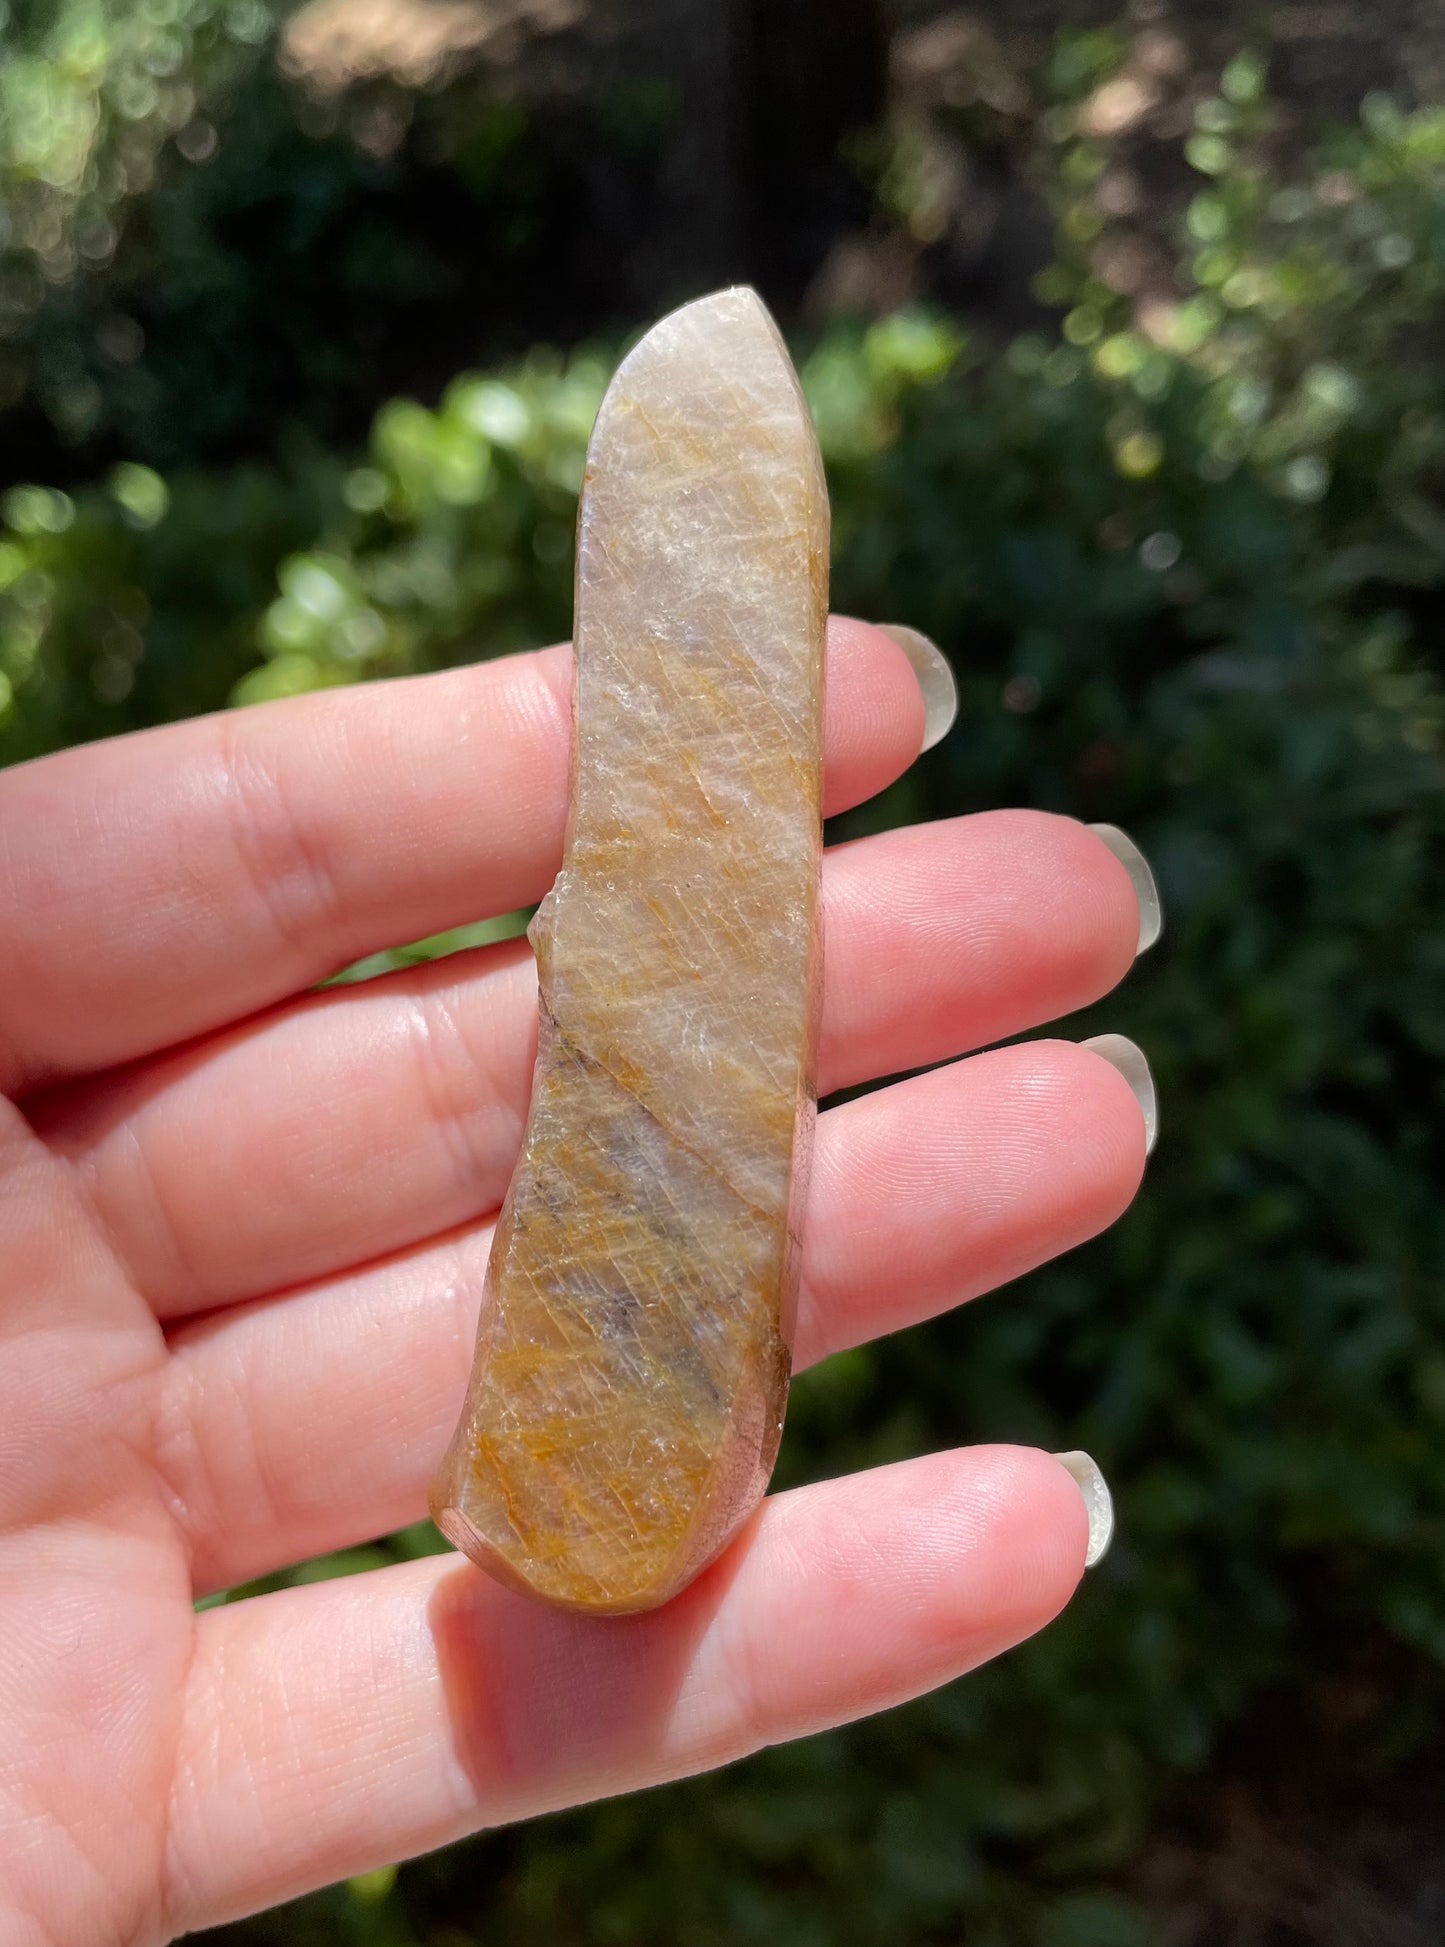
[(632, 1361)]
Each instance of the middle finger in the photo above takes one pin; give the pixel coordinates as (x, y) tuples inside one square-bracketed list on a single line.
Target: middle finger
[(362, 1120)]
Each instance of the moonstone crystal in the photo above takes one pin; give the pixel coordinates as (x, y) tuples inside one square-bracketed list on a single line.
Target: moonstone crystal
[(632, 1362)]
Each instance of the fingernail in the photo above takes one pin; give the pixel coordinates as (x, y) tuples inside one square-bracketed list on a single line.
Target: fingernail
[(935, 679), (1129, 1058), (1097, 1499), (1146, 890)]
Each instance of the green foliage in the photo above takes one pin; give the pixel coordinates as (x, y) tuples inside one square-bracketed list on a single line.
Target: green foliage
[(1189, 561), (89, 97), (210, 247)]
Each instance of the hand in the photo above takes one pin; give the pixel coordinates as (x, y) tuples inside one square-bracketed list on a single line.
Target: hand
[(243, 1228)]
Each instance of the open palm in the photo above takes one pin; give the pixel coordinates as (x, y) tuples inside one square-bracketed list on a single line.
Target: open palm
[(243, 1229)]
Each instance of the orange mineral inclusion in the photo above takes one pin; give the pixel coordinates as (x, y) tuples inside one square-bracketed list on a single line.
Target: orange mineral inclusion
[(632, 1361)]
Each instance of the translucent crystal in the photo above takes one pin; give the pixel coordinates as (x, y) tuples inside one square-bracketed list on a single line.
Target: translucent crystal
[(632, 1362)]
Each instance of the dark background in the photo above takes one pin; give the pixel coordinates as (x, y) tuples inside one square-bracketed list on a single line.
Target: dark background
[(1124, 336)]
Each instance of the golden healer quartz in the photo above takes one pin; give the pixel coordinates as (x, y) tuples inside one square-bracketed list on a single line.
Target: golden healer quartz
[(632, 1362)]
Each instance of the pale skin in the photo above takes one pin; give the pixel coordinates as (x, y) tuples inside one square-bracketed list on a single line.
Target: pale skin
[(243, 1229)]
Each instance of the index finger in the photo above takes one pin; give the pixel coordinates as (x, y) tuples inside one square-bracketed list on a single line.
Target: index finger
[(167, 883)]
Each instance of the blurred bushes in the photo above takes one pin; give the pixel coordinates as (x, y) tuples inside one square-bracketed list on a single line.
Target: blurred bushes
[(226, 224), (1188, 557), (89, 98)]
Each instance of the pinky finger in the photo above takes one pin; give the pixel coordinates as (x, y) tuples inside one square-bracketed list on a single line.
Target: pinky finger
[(335, 1728)]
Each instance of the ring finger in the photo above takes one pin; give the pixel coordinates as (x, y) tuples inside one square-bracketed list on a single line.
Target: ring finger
[(313, 1421)]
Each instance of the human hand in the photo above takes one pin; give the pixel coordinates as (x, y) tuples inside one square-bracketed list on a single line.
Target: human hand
[(243, 1230)]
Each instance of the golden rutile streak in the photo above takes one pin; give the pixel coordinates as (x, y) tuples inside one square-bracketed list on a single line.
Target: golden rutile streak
[(632, 1362)]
